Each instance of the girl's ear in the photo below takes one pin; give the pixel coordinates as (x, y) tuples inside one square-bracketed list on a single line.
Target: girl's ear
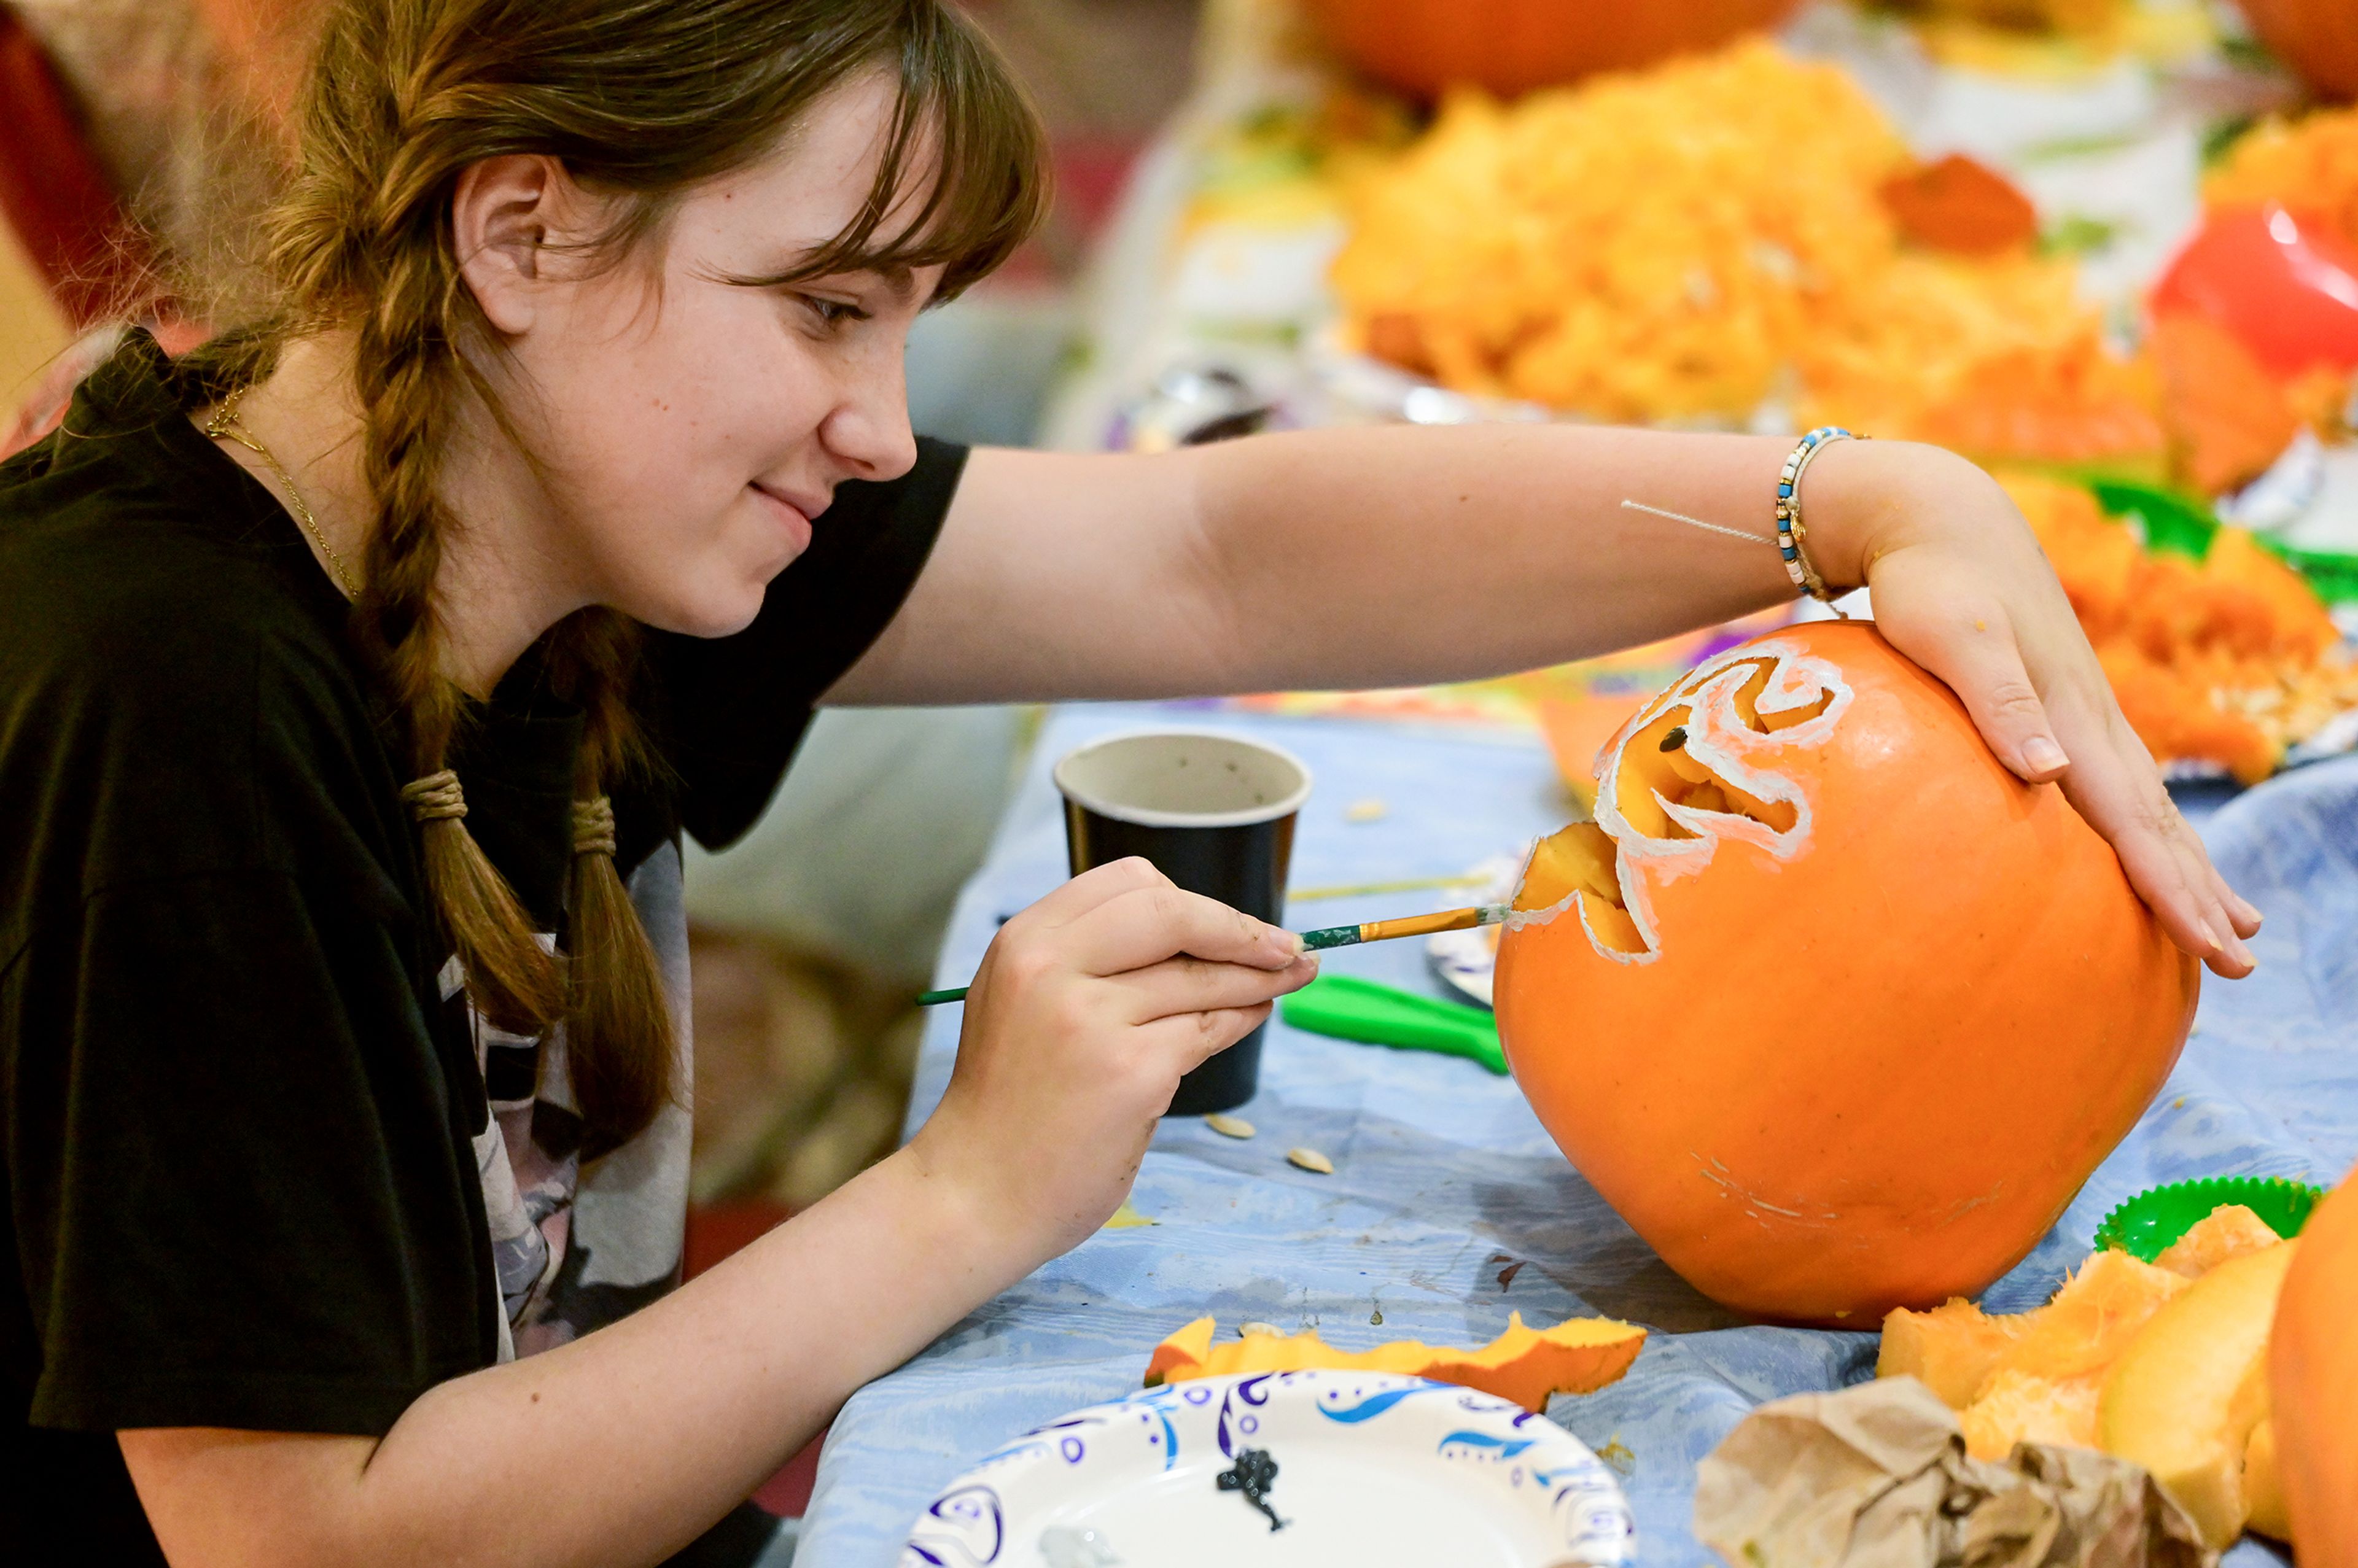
[(502, 215)]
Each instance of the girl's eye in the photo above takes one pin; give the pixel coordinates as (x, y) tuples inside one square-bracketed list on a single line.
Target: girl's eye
[(833, 313)]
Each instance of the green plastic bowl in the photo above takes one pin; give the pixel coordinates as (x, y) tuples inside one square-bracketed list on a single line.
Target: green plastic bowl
[(2146, 1225)]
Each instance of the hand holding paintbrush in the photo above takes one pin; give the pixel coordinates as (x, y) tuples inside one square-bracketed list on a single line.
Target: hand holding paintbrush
[(1339, 936)]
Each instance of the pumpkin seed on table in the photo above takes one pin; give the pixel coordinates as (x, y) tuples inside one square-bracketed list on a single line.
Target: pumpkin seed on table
[(1311, 1160), (1230, 1126)]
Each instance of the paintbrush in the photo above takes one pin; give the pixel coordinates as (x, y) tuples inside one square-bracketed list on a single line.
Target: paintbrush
[(1341, 936)]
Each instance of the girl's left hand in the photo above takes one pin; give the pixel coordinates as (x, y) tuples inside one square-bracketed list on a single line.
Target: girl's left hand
[(1961, 588)]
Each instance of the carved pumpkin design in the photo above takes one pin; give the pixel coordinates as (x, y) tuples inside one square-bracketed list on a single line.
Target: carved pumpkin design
[(1835, 1012)]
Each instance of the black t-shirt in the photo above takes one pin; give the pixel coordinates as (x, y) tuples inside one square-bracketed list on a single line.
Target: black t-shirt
[(240, 1126)]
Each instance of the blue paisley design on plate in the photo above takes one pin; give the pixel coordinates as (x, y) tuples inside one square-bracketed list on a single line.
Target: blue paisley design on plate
[(972, 1529), (1373, 1405), (1504, 1447), (1252, 1391)]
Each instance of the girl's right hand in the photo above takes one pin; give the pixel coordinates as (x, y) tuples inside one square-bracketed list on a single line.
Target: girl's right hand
[(1088, 1008)]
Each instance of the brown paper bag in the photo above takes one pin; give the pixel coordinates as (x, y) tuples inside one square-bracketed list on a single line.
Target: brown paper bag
[(1878, 1476)]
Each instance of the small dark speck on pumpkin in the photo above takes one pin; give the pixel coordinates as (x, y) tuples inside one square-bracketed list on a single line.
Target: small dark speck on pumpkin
[(1675, 739)]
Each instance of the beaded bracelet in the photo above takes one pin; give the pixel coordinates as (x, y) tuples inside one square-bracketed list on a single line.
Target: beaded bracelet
[(1791, 533)]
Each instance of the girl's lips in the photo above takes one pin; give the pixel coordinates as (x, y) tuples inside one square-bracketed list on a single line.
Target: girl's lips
[(791, 517)]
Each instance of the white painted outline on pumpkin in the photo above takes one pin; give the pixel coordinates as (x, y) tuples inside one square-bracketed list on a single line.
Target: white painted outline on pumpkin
[(1736, 753)]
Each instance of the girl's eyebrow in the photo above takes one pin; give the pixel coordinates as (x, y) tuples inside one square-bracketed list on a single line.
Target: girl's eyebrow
[(899, 280)]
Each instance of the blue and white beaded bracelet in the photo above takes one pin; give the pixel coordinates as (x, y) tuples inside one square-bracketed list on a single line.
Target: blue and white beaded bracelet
[(1790, 533)]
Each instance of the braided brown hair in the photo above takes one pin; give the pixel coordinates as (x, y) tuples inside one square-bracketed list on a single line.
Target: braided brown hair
[(639, 100)]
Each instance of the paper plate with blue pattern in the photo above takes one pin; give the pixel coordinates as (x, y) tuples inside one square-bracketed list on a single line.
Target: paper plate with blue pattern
[(1369, 1469)]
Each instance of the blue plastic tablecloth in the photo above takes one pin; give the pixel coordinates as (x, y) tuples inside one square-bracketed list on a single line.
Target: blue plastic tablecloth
[(1450, 1206)]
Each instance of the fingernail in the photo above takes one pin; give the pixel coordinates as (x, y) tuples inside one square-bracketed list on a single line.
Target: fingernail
[(2210, 937), (2249, 910), (2044, 755), (1293, 944)]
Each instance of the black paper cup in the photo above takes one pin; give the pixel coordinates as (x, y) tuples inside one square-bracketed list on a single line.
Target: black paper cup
[(1215, 814)]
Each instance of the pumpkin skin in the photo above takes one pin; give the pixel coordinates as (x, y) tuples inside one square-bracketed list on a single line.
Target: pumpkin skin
[(2313, 1384), (2317, 39), (1525, 1364), (1509, 47), (1871, 1042)]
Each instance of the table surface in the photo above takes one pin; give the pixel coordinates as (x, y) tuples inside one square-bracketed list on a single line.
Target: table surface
[(1450, 1206)]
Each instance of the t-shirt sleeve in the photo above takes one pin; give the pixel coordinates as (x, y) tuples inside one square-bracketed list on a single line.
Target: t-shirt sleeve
[(732, 710), (237, 1198)]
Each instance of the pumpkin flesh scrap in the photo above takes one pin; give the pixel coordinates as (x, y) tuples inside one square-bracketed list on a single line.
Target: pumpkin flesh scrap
[(2132, 1358), (1525, 1364), (2029, 1376), (2016, 1407), (2264, 1484), (2228, 1231), (1951, 1349), (2184, 1397), (2092, 1319)]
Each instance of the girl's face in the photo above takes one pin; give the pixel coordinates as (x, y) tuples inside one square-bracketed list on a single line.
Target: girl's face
[(688, 429)]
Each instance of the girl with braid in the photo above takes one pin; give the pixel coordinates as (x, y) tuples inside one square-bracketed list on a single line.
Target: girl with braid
[(361, 671)]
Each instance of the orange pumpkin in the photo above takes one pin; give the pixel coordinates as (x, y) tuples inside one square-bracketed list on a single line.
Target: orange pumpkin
[(2317, 39), (1833, 1010), (2313, 1384), (1512, 46)]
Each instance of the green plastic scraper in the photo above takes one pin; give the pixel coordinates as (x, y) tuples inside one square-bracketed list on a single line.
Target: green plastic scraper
[(1353, 1009)]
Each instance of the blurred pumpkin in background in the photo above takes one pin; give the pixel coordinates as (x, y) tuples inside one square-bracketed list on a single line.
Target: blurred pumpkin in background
[(1509, 47), (2317, 40)]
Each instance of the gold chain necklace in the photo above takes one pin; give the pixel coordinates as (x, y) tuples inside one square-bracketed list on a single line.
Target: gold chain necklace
[(224, 426)]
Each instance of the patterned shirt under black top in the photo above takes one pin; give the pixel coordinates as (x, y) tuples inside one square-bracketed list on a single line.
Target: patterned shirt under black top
[(574, 1247)]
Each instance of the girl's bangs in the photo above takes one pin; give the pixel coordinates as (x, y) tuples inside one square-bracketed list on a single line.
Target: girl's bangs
[(960, 110)]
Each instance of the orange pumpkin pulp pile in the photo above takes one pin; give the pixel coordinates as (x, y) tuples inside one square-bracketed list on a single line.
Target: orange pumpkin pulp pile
[(2230, 660), (1832, 1008), (1525, 1364), (1719, 231), (2164, 1363)]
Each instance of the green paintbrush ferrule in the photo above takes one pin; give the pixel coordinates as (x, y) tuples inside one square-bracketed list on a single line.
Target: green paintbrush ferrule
[(1332, 936), (935, 998)]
